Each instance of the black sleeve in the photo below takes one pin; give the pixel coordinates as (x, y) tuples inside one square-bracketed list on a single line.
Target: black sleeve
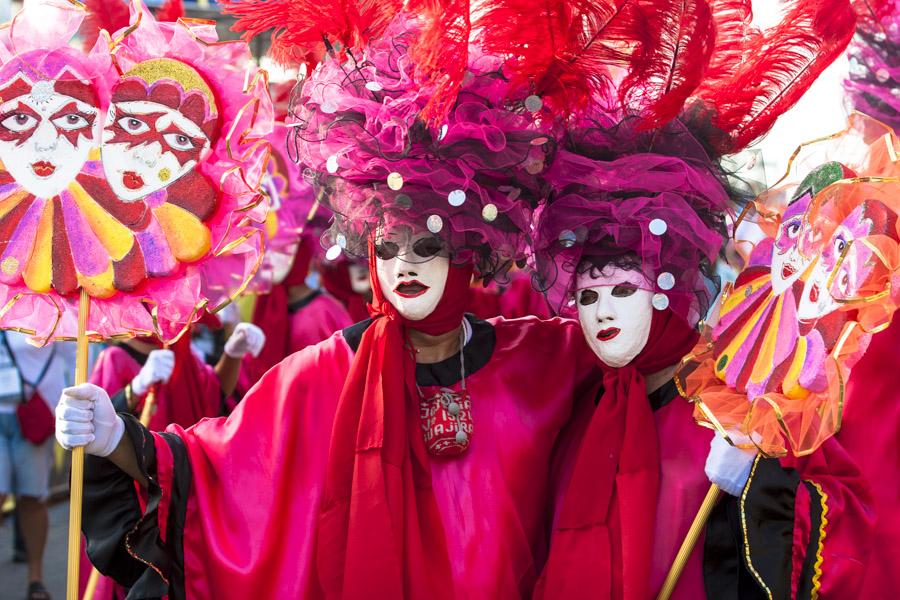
[(124, 543), (120, 401), (750, 540)]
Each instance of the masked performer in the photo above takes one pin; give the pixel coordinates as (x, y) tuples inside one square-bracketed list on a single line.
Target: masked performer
[(407, 456), (630, 236)]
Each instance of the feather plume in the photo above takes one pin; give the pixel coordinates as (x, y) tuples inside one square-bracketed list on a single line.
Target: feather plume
[(778, 66), (111, 15), (666, 70), (734, 31), (441, 52), (171, 10), (303, 29), (565, 49)]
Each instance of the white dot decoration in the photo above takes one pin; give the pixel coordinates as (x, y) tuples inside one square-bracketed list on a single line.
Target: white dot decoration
[(340, 240), (374, 86), (658, 227), (660, 301), (882, 75), (333, 253), (331, 164), (567, 238), (534, 103), (395, 181), (443, 132), (456, 197), (533, 167), (665, 281), (434, 223), (489, 212), (328, 107)]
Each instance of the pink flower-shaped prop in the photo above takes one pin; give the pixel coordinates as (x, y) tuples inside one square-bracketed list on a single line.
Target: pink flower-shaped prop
[(131, 172)]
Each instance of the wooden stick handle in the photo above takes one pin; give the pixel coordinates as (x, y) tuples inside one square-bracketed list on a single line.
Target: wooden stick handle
[(690, 540), (77, 482), (149, 406), (92, 584)]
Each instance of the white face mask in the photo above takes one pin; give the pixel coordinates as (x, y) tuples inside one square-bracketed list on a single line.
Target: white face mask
[(47, 138), (147, 146), (359, 279), (615, 310), (411, 282)]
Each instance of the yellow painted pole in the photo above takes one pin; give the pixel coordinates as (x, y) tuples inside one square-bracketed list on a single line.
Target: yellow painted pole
[(690, 540), (77, 482)]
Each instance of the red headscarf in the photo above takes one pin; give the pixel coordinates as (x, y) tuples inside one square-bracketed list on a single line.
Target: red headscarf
[(380, 534), (602, 542), (271, 315)]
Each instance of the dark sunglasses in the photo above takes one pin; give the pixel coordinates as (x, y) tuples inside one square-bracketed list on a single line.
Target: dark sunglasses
[(423, 248)]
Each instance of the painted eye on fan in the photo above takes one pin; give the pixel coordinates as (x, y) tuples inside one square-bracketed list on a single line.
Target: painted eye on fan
[(133, 125), (179, 141), (19, 122), (71, 122)]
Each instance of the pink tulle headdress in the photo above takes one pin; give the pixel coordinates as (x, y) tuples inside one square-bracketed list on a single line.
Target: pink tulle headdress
[(472, 179), (153, 249), (650, 200), (404, 122)]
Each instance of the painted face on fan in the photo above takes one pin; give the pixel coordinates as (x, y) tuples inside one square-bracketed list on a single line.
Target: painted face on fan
[(47, 130), (158, 129), (615, 309), (412, 271), (788, 262), (844, 265)]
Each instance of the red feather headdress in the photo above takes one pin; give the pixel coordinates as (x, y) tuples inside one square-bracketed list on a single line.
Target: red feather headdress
[(654, 59)]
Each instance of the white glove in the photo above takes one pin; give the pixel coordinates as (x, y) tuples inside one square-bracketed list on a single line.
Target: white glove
[(727, 466), (86, 417), (157, 369), (247, 337)]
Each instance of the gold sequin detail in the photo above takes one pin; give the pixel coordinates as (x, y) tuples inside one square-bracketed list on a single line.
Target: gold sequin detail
[(164, 174), (153, 70)]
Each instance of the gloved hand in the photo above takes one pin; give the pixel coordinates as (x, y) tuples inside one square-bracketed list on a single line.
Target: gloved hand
[(157, 369), (86, 417), (247, 337), (727, 466)]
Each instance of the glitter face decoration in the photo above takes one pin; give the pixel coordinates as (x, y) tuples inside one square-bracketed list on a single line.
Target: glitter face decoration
[(159, 127), (615, 310), (412, 271), (47, 130)]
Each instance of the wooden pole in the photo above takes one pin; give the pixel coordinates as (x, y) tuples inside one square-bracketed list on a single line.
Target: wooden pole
[(77, 482), (149, 406), (92, 584), (690, 540)]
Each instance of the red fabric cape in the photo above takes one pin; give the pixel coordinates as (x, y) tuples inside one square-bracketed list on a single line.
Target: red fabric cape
[(380, 533), (603, 539)]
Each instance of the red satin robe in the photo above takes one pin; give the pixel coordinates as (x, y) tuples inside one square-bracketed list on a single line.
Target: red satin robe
[(240, 496)]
